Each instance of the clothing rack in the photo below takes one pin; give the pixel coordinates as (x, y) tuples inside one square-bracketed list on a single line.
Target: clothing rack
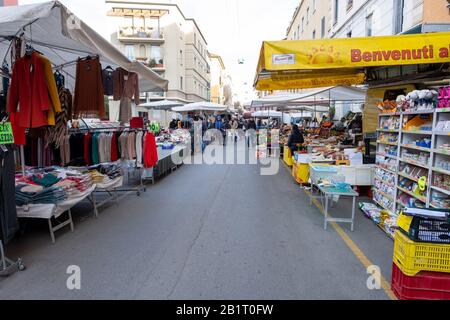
[(138, 189), (8, 266)]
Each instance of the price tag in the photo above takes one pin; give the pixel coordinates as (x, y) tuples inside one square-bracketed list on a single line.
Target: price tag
[(6, 133)]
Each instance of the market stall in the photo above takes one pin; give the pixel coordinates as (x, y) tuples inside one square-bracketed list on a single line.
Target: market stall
[(407, 110), (59, 71)]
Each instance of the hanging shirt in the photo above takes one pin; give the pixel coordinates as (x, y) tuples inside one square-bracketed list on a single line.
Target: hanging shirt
[(88, 97), (114, 147), (87, 151), (108, 80), (126, 84), (139, 160), (95, 159)]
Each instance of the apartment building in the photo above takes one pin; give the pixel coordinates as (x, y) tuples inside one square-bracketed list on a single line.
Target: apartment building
[(217, 78), (311, 20), (362, 18), (162, 37)]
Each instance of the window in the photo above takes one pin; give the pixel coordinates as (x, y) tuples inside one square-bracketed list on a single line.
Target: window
[(314, 34), (336, 11), (307, 16), (295, 34), (314, 5), (142, 51), (181, 57), (369, 27), (303, 24), (129, 52), (399, 7), (349, 5), (181, 83), (322, 28), (298, 32), (155, 53), (349, 34)]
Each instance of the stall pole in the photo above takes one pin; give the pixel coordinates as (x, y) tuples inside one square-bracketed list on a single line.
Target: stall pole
[(22, 159)]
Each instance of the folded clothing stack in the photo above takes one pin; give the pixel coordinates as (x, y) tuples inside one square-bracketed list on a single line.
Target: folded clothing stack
[(34, 194)]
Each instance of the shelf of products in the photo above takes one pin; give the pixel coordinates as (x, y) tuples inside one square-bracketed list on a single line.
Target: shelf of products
[(413, 137)]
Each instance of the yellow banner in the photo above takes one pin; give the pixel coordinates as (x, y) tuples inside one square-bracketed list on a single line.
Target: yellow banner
[(355, 52), (285, 82)]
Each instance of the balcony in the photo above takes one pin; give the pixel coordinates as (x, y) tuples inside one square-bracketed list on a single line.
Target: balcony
[(140, 35), (156, 64)]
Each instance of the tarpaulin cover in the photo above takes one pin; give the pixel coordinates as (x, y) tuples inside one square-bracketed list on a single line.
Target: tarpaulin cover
[(62, 37)]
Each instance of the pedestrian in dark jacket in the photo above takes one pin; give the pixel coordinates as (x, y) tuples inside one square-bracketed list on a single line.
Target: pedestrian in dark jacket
[(295, 139)]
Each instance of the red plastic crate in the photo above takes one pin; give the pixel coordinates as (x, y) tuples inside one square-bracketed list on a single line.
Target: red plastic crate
[(423, 286)]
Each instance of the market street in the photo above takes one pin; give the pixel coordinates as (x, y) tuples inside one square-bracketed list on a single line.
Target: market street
[(203, 232)]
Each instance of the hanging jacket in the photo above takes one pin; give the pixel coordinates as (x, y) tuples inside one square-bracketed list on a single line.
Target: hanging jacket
[(52, 90), (29, 89), (150, 151)]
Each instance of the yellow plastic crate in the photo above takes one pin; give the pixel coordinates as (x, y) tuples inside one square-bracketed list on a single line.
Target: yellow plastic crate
[(404, 222), (287, 156), (412, 257)]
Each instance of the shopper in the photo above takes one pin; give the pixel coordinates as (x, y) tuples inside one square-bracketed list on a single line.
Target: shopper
[(296, 139)]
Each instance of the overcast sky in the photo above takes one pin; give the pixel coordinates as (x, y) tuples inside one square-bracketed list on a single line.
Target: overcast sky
[(234, 29)]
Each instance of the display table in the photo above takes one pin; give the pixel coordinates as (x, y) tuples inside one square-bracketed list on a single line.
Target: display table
[(110, 187), (165, 162), (49, 211), (330, 192)]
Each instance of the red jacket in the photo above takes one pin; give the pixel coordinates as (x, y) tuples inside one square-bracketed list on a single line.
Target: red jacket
[(28, 95), (150, 151)]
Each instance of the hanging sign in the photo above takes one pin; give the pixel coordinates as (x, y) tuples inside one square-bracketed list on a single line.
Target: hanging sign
[(6, 133)]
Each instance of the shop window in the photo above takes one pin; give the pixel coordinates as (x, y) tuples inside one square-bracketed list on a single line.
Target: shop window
[(314, 34)]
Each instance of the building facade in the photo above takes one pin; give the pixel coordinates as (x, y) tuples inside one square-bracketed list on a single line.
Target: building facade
[(217, 79), (311, 20), (362, 18), (160, 36)]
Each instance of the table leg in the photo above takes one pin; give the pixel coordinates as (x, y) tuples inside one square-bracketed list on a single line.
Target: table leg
[(52, 234), (94, 203), (353, 212), (71, 220), (326, 212)]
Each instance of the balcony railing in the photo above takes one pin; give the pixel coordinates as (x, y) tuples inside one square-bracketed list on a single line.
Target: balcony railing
[(140, 34)]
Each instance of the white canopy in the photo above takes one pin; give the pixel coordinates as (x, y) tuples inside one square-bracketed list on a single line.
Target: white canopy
[(54, 31), (320, 96), (267, 114), (161, 105), (201, 106)]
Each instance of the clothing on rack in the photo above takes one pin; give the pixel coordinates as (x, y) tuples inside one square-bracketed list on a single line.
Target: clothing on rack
[(150, 151), (126, 84), (8, 214), (52, 90), (29, 90), (108, 81), (139, 153), (88, 96), (125, 111)]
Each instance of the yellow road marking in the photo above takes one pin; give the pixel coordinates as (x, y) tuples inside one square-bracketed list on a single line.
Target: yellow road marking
[(353, 246)]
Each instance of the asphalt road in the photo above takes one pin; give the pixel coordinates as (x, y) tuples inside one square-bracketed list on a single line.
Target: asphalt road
[(203, 232)]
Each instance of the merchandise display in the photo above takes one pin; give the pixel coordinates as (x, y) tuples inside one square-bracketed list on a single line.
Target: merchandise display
[(417, 149)]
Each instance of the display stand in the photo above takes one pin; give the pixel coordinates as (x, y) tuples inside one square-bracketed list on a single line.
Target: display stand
[(392, 151), (7, 266)]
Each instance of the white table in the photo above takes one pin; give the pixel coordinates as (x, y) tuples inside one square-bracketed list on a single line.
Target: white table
[(49, 211)]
